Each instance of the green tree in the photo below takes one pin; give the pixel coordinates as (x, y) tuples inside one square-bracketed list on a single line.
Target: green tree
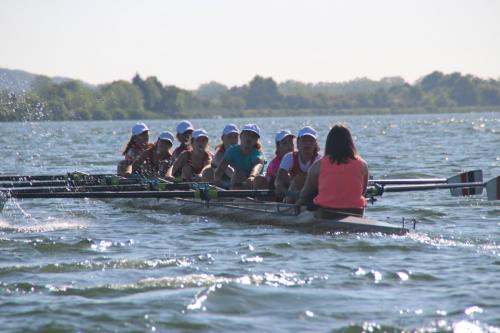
[(263, 93), (464, 92)]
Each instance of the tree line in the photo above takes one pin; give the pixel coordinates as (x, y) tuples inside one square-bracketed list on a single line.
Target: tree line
[(143, 98)]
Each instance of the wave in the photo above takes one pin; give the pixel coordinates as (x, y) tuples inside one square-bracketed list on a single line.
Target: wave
[(41, 227)]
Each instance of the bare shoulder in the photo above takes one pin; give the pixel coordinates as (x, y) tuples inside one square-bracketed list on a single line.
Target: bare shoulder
[(365, 165)]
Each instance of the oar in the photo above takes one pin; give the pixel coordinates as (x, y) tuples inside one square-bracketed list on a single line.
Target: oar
[(459, 189), (101, 188), (72, 175), (52, 183), (464, 177), (204, 194)]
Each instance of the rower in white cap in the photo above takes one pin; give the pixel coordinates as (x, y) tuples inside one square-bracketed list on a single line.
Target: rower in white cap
[(193, 162), (246, 158), (137, 153), (293, 168), (230, 136), (284, 145), (184, 132), (162, 156)]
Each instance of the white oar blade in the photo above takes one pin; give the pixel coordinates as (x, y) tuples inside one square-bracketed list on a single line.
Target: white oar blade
[(493, 189), (466, 177)]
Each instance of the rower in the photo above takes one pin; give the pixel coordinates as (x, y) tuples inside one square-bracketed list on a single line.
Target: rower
[(246, 158), (293, 168), (230, 136), (184, 132), (137, 153), (284, 145), (193, 162), (162, 156), (338, 181)]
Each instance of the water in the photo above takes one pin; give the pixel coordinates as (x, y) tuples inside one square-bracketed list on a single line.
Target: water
[(90, 265)]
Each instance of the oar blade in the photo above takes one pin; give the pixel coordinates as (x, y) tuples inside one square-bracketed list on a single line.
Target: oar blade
[(493, 189), (466, 177)]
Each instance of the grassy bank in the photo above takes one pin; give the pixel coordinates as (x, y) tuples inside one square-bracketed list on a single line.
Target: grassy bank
[(327, 112)]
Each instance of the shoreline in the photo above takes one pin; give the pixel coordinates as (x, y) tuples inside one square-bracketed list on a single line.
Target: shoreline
[(284, 113)]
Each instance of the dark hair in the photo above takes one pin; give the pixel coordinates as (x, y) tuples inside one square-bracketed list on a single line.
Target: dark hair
[(130, 144), (339, 145)]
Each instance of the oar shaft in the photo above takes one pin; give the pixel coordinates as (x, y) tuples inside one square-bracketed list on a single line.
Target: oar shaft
[(108, 194), (54, 183), (426, 187), (200, 194), (404, 181), (15, 178), (138, 187), (101, 188)]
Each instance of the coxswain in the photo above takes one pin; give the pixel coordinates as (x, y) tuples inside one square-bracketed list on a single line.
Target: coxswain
[(192, 162), (336, 184), (294, 166), (247, 160)]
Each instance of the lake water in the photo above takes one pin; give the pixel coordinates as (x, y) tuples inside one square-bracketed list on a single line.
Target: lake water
[(89, 265)]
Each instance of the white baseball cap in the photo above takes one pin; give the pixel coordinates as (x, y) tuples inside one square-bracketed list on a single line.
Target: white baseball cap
[(281, 135), (199, 133), (184, 126), (252, 128), (139, 128), (167, 136), (230, 128), (307, 130)]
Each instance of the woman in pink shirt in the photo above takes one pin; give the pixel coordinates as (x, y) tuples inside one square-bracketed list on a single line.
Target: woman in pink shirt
[(339, 179), (284, 145)]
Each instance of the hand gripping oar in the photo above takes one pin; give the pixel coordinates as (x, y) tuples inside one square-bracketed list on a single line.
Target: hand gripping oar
[(464, 177), (459, 189)]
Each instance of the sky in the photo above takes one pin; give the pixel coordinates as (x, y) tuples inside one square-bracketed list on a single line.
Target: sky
[(190, 42)]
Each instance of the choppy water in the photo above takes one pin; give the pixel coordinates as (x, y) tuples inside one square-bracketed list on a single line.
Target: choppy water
[(89, 265)]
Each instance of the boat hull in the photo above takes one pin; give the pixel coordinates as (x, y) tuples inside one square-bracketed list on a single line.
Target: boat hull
[(255, 212)]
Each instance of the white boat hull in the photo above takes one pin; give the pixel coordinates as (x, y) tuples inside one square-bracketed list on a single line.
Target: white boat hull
[(259, 213)]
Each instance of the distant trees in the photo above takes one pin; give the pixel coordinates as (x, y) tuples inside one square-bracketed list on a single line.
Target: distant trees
[(149, 98)]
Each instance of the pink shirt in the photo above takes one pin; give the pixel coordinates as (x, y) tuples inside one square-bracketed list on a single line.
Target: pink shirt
[(273, 167), (341, 185)]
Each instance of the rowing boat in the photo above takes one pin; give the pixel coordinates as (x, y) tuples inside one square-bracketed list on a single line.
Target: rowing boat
[(248, 206), (253, 211)]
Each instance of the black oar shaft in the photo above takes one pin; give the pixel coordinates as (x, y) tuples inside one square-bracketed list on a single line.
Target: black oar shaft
[(204, 194), (108, 194), (64, 183), (100, 188), (138, 187), (15, 178), (426, 187), (404, 181)]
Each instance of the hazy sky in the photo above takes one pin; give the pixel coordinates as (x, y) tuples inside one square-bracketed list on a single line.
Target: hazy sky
[(189, 42)]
